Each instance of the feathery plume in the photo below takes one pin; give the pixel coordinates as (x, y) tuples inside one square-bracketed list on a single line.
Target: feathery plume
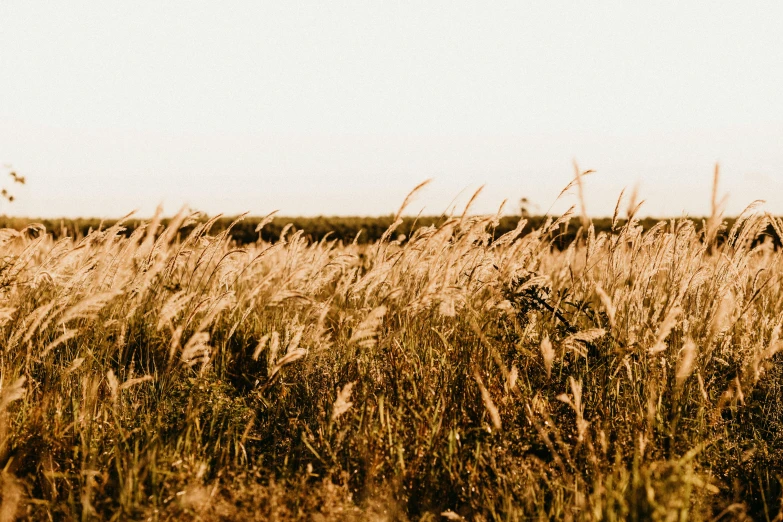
[(548, 355), (342, 404)]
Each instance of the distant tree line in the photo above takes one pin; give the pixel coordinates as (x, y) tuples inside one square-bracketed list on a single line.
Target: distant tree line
[(345, 229)]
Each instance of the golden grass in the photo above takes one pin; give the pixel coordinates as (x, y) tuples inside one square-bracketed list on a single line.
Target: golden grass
[(450, 376)]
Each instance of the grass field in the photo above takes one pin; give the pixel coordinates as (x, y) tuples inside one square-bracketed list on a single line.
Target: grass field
[(632, 376)]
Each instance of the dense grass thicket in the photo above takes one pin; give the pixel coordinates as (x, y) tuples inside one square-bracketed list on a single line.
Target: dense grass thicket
[(162, 374), (361, 230)]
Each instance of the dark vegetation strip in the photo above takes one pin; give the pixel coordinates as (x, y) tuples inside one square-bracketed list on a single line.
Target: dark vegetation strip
[(345, 229)]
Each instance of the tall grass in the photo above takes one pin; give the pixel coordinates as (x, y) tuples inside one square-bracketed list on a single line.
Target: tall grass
[(632, 376)]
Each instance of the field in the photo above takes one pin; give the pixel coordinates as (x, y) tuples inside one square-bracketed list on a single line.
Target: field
[(157, 374)]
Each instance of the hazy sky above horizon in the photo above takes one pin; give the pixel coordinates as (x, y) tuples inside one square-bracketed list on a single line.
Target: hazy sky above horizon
[(341, 108)]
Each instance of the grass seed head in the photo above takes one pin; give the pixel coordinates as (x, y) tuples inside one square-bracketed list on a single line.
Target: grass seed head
[(342, 404), (548, 355)]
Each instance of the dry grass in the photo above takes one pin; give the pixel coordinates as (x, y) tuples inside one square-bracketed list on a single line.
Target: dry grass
[(632, 376)]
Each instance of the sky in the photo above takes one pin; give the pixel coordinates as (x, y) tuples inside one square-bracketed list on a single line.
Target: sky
[(341, 108)]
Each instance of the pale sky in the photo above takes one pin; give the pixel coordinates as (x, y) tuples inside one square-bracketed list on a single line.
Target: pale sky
[(340, 108)]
